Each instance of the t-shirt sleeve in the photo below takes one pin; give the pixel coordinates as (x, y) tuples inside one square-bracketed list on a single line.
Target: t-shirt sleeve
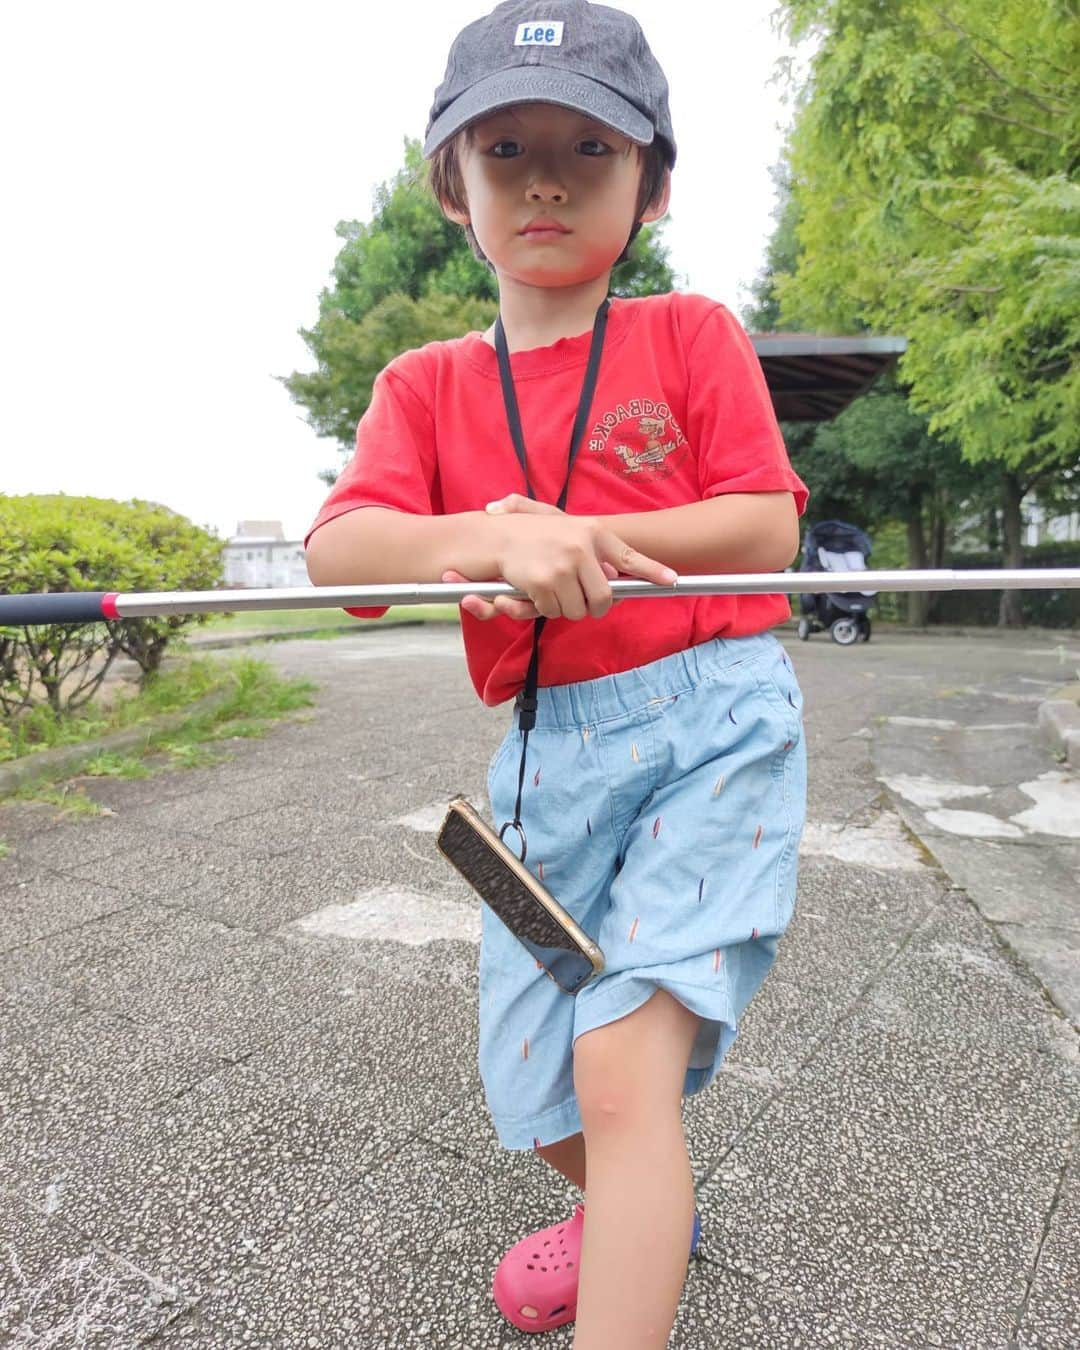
[(740, 448), (394, 464)]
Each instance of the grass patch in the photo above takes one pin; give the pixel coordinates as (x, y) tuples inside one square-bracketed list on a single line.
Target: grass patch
[(281, 622), (429, 613), (250, 697), (69, 797), (167, 691), (5, 849), (255, 696), (105, 764)]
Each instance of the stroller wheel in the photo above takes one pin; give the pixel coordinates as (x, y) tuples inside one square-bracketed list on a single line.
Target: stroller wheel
[(845, 631), (804, 629), (864, 629)]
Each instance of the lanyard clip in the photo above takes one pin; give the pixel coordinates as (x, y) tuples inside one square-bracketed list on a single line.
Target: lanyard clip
[(526, 711)]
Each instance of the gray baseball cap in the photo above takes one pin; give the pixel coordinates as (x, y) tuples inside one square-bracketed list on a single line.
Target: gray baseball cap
[(590, 58)]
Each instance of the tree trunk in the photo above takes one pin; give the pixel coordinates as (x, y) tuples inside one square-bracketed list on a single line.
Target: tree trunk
[(992, 536), (939, 505), (917, 601), (1011, 608), (937, 546)]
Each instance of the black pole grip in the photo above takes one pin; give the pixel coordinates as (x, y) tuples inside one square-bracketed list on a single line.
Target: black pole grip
[(53, 607)]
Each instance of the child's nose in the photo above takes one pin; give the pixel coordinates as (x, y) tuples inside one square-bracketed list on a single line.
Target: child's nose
[(541, 190), (546, 185)]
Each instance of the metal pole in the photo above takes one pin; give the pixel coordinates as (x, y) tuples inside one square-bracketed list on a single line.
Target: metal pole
[(95, 606)]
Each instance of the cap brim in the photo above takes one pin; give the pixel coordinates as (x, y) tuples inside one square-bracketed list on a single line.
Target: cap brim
[(537, 84)]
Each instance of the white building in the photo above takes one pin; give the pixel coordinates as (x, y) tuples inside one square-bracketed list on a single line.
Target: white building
[(259, 555), (1039, 528)]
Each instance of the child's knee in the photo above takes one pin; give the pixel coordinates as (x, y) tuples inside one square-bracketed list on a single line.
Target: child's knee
[(616, 1091), (610, 1103)]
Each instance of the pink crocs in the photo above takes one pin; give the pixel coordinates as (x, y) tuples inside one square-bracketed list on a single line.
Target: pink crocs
[(536, 1282)]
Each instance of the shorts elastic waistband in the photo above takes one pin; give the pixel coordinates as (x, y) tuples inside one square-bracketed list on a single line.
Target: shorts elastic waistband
[(631, 691)]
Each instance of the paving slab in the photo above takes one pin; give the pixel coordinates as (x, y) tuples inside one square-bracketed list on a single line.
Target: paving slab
[(402, 1260), (850, 925), (272, 1120), (1001, 817), (305, 1118), (80, 1079), (1054, 956), (918, 1151), (179, 873), (23, 820), (1050, 1317), (57, 1289), (37, 904), (69, 840), (204, 1189), (226, 990), (259, 886)]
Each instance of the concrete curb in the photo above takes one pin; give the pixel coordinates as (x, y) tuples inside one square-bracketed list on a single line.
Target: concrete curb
[(1059, 724)]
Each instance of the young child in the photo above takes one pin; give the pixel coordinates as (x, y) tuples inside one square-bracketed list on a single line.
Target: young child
[(664, 784)]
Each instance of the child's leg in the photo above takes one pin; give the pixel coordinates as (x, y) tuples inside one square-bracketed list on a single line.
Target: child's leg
[(567, 1157), (628, 1076)]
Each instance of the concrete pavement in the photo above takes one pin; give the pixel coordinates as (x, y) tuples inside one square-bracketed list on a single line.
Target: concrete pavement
[(238, 1095)]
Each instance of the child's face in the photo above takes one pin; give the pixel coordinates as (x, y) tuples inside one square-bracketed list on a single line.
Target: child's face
[(552, 195)]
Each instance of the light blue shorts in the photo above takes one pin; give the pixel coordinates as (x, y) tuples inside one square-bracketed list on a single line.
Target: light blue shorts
[(663, 808)]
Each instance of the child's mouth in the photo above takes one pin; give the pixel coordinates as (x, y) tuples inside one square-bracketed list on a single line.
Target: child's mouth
[(544, 229)]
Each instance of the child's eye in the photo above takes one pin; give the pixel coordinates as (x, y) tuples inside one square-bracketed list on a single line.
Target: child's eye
[(591, 146), (505, 149)]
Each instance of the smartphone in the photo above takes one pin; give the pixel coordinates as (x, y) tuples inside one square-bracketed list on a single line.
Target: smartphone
[(533, 915)]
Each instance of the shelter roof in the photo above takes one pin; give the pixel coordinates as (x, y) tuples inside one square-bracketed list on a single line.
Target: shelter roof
[(813, 378)]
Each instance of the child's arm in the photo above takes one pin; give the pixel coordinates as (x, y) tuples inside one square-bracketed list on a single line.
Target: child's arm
[(732, 532), (562, 562), (374, 544)]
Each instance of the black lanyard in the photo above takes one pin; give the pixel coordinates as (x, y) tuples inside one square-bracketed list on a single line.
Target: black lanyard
[(526, 699)]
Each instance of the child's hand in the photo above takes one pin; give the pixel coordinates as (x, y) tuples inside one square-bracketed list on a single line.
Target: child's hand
[(564, 563)]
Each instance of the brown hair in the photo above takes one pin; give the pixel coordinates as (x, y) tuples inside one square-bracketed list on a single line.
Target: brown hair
[(444, 179)]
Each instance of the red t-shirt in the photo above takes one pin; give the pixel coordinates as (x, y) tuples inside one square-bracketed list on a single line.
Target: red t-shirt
[(681, 413)]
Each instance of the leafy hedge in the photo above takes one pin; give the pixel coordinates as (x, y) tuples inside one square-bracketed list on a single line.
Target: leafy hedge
[(1043, 609), (61, 543)]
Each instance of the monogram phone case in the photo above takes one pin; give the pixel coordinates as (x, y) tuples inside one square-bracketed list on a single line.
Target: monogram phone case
[(530, 912)]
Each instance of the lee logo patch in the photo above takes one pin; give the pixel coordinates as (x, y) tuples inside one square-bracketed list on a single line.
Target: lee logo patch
[(541, 33)]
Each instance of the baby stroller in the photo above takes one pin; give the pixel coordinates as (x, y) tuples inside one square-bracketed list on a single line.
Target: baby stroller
[(835, 546)]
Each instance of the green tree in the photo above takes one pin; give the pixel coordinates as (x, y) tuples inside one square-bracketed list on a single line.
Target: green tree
[(877, 462), (933, 158), (904, 473), (781, 255), (408, 277), (351, 352)]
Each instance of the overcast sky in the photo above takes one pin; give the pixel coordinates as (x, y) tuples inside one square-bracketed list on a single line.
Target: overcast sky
[(173, 174)]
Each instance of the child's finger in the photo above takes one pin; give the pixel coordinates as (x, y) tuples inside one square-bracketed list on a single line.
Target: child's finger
[(516, 609), (612, 573), (483, 609), (632, 563), (516, 502), (477, 607), (471, 604)]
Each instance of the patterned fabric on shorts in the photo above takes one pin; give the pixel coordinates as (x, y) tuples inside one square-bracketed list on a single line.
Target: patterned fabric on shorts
[(663, 808)]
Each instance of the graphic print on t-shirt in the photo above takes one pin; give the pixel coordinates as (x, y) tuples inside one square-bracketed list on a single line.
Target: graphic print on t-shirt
[(639, 436)]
